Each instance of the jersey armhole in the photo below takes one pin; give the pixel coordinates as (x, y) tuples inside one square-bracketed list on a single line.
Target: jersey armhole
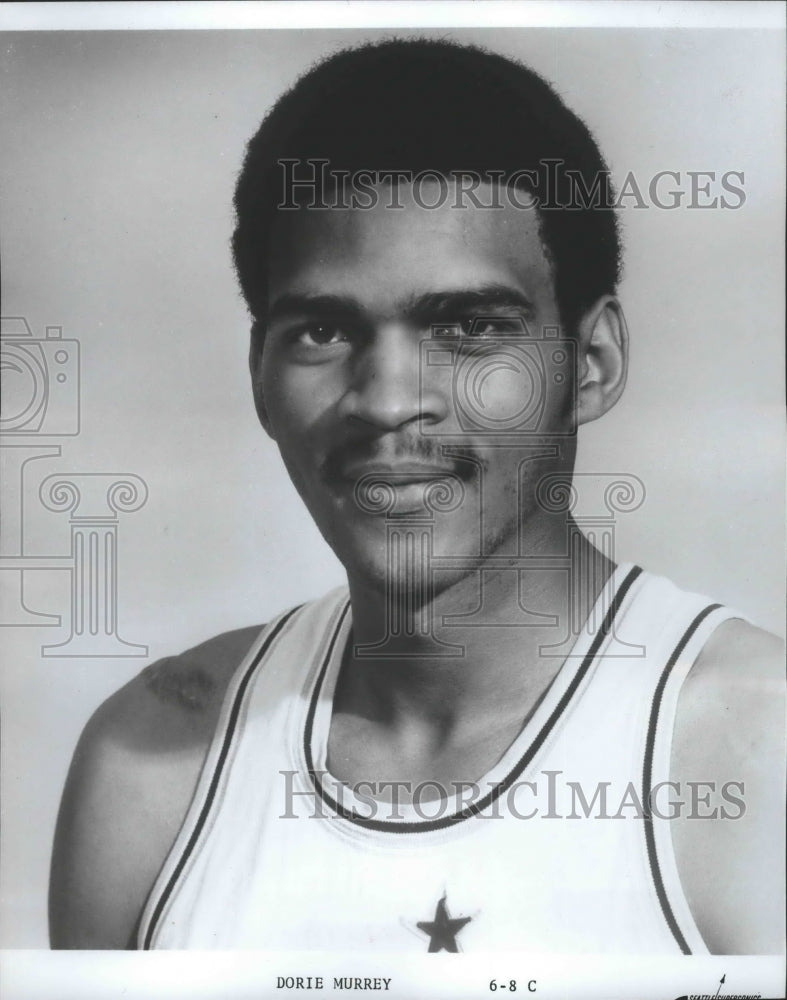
[(197, 816), (656, 771)]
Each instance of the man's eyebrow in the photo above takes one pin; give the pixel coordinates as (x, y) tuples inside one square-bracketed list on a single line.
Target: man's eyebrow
[(461, 302), (294, 303)]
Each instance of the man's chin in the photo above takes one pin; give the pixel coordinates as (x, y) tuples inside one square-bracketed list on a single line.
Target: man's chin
[(405, 580)]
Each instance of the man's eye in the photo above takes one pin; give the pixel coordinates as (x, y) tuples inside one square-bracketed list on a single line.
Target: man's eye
[(320, 335), (493, 326)]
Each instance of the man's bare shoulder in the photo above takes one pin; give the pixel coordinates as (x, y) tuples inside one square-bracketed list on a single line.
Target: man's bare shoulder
[(729, 733), (738, 677), (740, 653), (731, 707), (174, 702), (129, 786)]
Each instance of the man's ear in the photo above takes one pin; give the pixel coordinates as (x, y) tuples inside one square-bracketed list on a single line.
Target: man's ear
[(256, 345), (603, 359)]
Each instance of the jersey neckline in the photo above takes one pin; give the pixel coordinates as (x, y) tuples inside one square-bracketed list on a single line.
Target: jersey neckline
[(553, 705)]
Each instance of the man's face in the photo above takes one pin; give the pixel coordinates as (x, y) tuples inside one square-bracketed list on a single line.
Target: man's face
[(374, 408)]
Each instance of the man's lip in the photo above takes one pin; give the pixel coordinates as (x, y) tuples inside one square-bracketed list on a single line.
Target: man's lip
[(397, 475)]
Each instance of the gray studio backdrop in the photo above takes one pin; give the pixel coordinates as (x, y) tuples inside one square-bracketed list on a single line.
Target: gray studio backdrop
[(119, 154)]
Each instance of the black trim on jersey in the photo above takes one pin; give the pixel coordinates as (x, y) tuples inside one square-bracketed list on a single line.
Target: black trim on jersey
[(211, 793), (647, 778), (388, 826)]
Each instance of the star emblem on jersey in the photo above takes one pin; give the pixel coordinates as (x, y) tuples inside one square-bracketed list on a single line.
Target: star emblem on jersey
[(443, 929)]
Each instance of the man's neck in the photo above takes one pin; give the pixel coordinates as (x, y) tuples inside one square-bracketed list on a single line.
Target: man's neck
[(447, 667)]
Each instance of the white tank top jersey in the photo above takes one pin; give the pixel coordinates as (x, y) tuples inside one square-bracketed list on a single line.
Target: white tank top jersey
[(276, 854)]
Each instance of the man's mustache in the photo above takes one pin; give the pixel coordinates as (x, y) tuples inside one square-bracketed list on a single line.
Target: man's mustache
[(459, 460)]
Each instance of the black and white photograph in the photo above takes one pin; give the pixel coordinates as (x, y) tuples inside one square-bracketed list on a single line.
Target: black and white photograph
[(392, 561)]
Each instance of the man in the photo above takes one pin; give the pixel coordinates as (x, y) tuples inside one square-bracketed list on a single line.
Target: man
[(500, 740)]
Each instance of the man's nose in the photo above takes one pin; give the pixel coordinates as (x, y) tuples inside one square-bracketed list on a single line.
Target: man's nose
[(387, 388)]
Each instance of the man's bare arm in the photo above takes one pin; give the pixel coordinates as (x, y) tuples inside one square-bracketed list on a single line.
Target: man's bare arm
[(730, 727), (129, 786)]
